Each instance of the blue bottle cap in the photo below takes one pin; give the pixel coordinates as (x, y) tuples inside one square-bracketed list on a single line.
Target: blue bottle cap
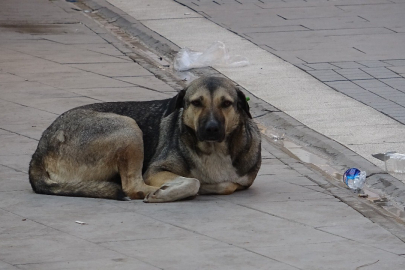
[(351, 174)]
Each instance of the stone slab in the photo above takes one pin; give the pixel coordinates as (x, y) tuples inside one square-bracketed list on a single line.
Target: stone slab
[(114, 69), (334, 255), (195, 252)]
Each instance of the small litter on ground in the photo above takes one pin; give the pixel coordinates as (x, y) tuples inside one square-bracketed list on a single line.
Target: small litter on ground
[(216, 55)]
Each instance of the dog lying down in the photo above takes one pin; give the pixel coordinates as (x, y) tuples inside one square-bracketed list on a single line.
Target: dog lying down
[(202, 141)]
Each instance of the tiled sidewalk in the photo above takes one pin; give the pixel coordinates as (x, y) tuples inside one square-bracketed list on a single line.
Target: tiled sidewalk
[(356, 47)]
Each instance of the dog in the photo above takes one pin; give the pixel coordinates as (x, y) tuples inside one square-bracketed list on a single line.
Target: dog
[(202, 141)]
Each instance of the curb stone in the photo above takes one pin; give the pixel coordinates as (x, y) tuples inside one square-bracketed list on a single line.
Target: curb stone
[(341, 158)]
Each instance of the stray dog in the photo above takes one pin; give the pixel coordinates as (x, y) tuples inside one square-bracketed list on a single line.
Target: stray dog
[(202, 141)]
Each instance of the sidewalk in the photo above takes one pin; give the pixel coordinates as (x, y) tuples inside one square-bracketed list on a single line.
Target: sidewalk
[(53, 57), (356, 47)]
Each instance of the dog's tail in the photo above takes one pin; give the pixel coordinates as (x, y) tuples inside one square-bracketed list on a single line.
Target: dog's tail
[(42, 183)]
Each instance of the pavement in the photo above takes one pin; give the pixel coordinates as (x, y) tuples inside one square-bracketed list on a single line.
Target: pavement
[(65, 55), (355, 47)]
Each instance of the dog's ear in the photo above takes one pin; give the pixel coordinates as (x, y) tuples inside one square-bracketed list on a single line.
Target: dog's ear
[(242, 102), (176, 102)]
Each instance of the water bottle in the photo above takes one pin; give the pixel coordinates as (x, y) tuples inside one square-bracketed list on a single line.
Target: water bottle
[(394, 162), (354, 179)]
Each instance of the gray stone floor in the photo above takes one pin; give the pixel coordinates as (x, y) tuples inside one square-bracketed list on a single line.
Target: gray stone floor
[(356, 47), (284, 221)]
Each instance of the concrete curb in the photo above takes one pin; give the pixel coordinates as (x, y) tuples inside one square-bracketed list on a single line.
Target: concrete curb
[(340, 157)]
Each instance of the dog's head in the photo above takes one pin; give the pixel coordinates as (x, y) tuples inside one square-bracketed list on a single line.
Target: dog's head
[(212, 107)]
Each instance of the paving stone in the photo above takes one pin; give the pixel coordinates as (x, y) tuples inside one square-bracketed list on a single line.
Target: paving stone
[(121, 262), (74, 56), (301, 211), (397, 83), (334, 255), (104, 49), (13, 180), (115, 94), (398, 69), (380, 73), (346, 65), (17, 227), (75, 39), (307, 181), (75, 80), (277, 188), (16, 114), (310, 12), (379, 103), (387, 92), (16, 145), (52, 247), (15, 92), (398, 99), (196, 218), (7, 77), (281, 4), (266, 155), (39, 207), (41, 16), (348, 21), (32, 66), (59, 105), (114, 69), (373, 63), (340, 113), (394, 110), (354, 74), (6, 266), (320, 66), (279, 197), (146, 82), (323, 52), (160, 10), (99, 226), (344, 86), (395, 63), (18, 163), (272, 29), (31, 129), (372, 83), (193, 253), (327, 75)]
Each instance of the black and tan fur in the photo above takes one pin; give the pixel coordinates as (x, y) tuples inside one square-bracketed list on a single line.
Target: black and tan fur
[(202, 141)]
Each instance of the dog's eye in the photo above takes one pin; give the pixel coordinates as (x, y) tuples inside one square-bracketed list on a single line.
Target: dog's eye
[(196, 103), (226, 104)]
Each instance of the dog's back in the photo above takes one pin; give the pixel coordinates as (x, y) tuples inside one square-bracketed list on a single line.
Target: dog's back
[(147, 114), (92, 123)]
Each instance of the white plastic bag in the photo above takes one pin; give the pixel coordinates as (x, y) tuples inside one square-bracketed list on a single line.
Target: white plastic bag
[(216, 55)]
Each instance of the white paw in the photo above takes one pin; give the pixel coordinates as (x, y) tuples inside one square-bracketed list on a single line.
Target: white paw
[(178, 189)]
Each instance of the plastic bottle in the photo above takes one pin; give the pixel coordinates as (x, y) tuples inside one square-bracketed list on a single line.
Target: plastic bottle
[(354, 179), (394, 162)]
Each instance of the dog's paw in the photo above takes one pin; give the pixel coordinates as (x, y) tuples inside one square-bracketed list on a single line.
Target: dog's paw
[(175, 190)]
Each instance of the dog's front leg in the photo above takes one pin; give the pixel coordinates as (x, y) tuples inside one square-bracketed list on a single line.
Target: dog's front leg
[(224, 188), (172, 187)]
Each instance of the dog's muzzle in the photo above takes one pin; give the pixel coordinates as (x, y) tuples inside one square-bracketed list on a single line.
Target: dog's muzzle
[(212, 131)]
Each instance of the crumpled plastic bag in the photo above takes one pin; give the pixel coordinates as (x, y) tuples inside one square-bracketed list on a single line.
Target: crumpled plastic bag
[(216, 55)]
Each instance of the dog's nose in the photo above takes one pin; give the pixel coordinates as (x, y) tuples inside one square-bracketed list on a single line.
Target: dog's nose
[(212, 129)]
